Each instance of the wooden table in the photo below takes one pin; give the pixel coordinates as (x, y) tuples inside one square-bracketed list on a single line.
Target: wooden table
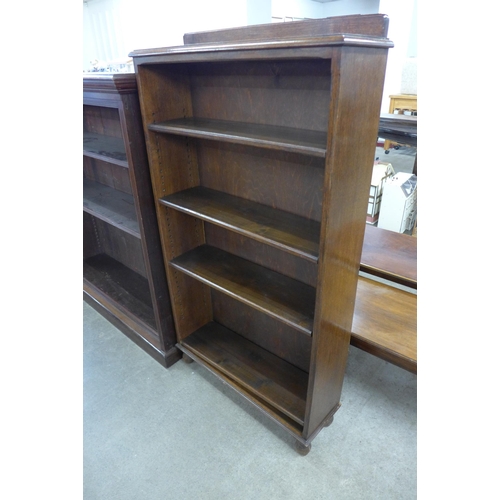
[(400, 101)]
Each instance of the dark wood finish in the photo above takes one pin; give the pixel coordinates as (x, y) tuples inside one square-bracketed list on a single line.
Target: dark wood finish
[(374, 25), (122, 285), (400, 128), (289, 232), (390, 255), (107, 148), (385, 253), (283, 298), (264, 136), (302, 449), (108, 239), (286, 342), (110, 205), (261, 153), (107, 173), (270, 378), (115, 317), (124, 273)]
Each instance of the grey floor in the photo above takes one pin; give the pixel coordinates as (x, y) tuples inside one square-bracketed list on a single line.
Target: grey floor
[(156, 434)]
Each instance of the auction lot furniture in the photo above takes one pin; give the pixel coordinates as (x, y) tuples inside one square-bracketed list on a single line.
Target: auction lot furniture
[(260, 144), (123, 269)]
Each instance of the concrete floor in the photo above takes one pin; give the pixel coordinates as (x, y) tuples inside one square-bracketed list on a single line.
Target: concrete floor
[(157, 434)]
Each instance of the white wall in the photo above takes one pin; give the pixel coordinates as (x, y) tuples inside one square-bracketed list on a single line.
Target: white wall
[(259, 11), (302, 9), (348, 7), (402, 31), (114, 28)]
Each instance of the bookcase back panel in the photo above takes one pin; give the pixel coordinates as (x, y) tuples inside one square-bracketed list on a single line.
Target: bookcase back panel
[(292, 182), (175, 161), (111, 175), (184, 293), (262, 254), (101, 120), (282, 93), (119, 245), (285, 342)]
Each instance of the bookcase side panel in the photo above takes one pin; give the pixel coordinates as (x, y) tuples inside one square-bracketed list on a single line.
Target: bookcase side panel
[(146, 215), (165, 94), (357, 82)]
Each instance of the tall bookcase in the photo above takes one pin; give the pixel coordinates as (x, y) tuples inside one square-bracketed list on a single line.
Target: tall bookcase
[(123, 269), (261, 143)]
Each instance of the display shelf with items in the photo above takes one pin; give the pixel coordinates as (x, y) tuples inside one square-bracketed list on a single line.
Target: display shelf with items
[(123, 269), (261, 152)]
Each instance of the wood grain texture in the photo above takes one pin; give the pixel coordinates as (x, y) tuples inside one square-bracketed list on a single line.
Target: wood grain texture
[(122, 285), (259, 175), (285, 342), (275, 381), (119, 212), (113, 241), (390, 255), (385, 323), (265, 136), (107, 173), (271, 293), (105, 148), (114, 207), (348, 171), (215, 115), (374, 25), (291, 233)]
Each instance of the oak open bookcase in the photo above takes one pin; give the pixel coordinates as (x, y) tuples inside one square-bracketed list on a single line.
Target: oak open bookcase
[(123, 268), (261, 143)]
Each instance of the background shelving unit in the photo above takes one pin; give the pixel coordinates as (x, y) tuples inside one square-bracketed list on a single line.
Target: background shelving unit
[(123, 269), (260, 143)]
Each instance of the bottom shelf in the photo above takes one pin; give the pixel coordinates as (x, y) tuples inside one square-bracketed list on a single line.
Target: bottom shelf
[(122, 285), (275, 385)]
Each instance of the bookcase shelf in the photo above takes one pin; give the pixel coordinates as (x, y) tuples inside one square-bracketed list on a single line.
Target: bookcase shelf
[(111, 205), (123, 270), (265, 136), (106, 148), (260, 143), (272, 293), (284, 230)]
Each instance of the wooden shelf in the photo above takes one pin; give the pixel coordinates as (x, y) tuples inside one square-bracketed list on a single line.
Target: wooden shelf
[(283, 298), (122, 285), (267, 376), (385, 254), (108, 204), (289, 232), (103, 147), (265, 136)]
